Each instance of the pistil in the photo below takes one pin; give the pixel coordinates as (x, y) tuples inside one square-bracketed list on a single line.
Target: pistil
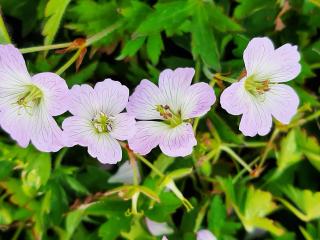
[(102, 123), (171, 118)]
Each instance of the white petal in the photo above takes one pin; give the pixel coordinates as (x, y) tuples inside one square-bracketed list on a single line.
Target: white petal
[(105, 148), (124, 174), (178, 141), (257, 54), (112, 96), (282, 101), (205, 234), (123, 127), (148, 136), (158, 228), (257, 119), (142, 103), (198, 100)]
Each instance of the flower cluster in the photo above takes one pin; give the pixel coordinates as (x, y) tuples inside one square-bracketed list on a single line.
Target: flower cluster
[(156, 115)]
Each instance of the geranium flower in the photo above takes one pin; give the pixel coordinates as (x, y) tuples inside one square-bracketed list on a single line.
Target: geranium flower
[(166, 112), (205, 234), (158, 228), (98, 122), (125, 174), (260, 95), (27, 103)]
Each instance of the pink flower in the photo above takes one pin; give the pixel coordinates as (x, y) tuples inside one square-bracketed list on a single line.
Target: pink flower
[(166, 112), (260, 95), (98, 122), (27, 103), (205, 234)]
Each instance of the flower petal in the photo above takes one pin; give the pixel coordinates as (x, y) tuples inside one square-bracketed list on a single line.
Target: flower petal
[(147, 137), (45, 133), (173, 85), (76, 131), (205, 234), (256, 119), (112, 96), (178, 141), (124, 126), (83, 101), (234, 99), (158, 228), (13, 75), (284, 64), (282, 101), (256, 54), (55, 90), (142, 103), (198, 100), (105, 148), (16, 123), (124, 174)]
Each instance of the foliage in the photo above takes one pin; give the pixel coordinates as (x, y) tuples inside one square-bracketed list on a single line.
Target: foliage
[(66, 195)]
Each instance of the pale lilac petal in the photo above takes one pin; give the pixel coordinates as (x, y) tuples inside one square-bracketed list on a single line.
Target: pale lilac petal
[(205, 235), (256, 120), (16, 123), (256, 54), (76, 131), (56, 92), (105, 148), (198, 100), (158, 228), (164, 238), (142, 103), (234, 99), (83, 101), (178, 141), (282, 101), (173, 86), (123, 127), (45, 133), (125, 174), (283, 65), (148, 136), (13, 75), (112, 96)]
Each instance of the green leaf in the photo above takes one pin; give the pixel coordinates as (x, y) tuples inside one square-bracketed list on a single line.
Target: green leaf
[(204, 43), (131, 47), (4, 36), (73, 219), (154, 47), (289, 152), (167, 15), (5, 169), (114, 226), (54, 12)]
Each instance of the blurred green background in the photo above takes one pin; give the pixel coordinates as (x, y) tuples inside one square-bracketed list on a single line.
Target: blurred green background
[(59, 196)]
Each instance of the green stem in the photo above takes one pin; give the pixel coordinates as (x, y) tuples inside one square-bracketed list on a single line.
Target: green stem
[(60, 157), (236, 157), (269, 146), (102, 34), (195, 124), (44, 48), (150, 165), (247, 145), (18, 231), (303, 121), (235, 179), (69, 63), (201, 216), (198, 69)]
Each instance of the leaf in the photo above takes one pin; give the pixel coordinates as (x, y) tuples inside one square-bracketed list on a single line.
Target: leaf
[(83, 75), (112, 228), (54, 12), (289, 152), (204, 43), (4, 36), (73, 219), (167, 15), (154, 47), (131, 47)]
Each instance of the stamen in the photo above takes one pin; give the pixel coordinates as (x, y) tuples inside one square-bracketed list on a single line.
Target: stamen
[(173, 119), (31, 97), (256, 87), (102, 123)]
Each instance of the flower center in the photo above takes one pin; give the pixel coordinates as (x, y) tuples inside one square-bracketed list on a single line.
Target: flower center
[(256, 87), (171, 118), (31, 97), (102, 123)]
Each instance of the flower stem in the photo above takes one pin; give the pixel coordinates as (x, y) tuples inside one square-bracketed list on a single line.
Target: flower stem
[(269, 146), (150, 165), (102, 34), (236, 157), (44, 48), (69, 63), (60, 157)]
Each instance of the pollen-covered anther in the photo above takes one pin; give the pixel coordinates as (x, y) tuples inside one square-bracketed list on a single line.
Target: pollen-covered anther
[(102, 123), (31, 97)]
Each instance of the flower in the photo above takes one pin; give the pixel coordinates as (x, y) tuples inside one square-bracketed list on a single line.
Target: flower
[(97, 121), (158, 228), (125, 174), (205, 234), (28, 104), (166, 112), (260, 94)]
